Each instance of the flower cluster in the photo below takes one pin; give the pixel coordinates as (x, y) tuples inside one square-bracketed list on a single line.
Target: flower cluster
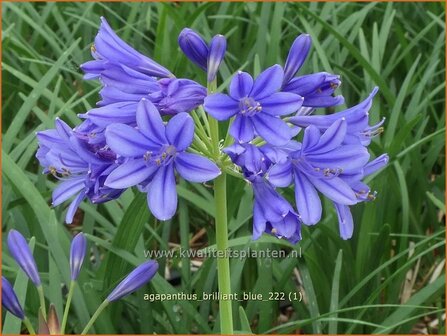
[(142, 131), (124, 141), (331, 157), (22, 254)]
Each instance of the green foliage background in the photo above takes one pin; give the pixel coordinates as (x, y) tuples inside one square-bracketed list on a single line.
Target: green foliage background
[(389, 278)]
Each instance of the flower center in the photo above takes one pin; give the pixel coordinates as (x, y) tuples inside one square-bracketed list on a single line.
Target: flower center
[(161, 158), (249, 107)]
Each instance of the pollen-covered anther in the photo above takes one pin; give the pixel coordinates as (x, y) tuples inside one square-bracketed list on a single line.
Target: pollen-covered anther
[(333, 85), (147, 156), (93, 48)]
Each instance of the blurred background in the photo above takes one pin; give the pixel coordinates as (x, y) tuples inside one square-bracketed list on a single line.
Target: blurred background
[(389, 278)]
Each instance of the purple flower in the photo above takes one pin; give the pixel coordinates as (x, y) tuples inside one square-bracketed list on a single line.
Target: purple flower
[(362, 191), (21, 253), (77, 254), (177, 96), (153, 153), (137, 278), (256, 105), (172, 96), (357, 120), (109, 50), (82, 167), (272, 213), (10, 300), (316, 89), (316, 165), (208, 58)]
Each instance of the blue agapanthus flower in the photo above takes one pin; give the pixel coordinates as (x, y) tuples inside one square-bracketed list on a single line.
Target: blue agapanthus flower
[(272, 213), (109, 49), (153, 152), (356, 117), (315, 165), (82, 167), (257, 106), (317, 89)]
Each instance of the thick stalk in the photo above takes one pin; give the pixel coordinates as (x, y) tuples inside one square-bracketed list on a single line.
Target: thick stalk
[(67, 306), (95, 316), (223, 262)]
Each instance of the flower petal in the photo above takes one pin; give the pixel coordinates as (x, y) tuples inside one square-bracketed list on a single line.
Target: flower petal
[(259, 221), (281, 103), (345, 221), (308, 202), (221, 106), (130, 173), (73, 207), (349, 158), (196, 168), (241, 85), (268, 82), (180, 131), (332, 138), (311, 137), (280, 175), (335, 189), (272, 129), (127, 141), (162, 194), (122, 112), (242, 129), (150, 123), (67, 189)]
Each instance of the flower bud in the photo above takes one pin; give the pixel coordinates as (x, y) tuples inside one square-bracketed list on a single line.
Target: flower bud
[(194, 47), (218, 46), (137, 278), (10, 301), (297, 55), (77, 254), (21, 252)]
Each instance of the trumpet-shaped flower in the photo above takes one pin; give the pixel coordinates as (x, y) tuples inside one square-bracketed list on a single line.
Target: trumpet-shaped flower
[(316, 89), (81, 167), (109, 50), (77, 254), (20, 251), (171, 96), (272, 213), (356, 117), (10, 300), (257, 106), (316, 165), (136, 279), (153, 152)]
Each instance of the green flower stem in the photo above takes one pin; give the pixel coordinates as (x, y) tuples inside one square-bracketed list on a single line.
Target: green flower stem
[(42, 301), (95, 316), (29, 326), (67, 306), (223, 262)]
